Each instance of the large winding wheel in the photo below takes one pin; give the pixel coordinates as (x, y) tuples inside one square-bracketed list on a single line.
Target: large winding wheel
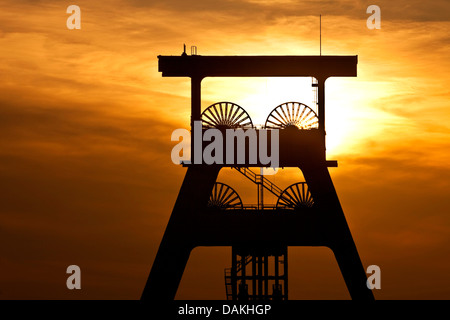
[(292, 114), (226, 115), (296, 196), (224, 197)]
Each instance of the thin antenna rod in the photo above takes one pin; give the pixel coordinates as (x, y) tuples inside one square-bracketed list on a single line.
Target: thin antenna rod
[(320, 32)]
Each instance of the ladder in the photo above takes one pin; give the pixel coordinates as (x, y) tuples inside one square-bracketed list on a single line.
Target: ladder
[(260, 179)]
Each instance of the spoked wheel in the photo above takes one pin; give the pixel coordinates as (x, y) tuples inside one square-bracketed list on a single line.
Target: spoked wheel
[(296, 196), (292, 114), (224, 197), (225, 115)]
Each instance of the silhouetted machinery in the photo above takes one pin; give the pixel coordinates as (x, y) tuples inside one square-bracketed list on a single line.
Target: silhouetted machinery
[(265, 269), (210, 213)]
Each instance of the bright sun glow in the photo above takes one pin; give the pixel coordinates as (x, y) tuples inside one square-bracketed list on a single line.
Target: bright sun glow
[(259, 96), (349, 121)]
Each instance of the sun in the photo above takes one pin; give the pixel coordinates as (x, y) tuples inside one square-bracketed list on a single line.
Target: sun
[(259, 96)]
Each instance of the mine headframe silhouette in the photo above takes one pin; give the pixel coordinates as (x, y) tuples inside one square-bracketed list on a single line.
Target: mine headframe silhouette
[(210, 213)]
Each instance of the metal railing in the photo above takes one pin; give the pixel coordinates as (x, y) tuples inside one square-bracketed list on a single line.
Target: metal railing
[(260, 179)]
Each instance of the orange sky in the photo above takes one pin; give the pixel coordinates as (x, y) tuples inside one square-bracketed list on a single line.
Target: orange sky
[(85, 118)]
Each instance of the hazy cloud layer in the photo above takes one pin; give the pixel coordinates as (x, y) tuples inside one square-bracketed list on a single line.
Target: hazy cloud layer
[(86, 118)]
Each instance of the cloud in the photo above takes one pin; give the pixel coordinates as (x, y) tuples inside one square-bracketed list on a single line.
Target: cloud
[(86, 119)]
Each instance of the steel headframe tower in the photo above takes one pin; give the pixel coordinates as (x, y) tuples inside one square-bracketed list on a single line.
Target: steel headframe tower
[(265, 232)]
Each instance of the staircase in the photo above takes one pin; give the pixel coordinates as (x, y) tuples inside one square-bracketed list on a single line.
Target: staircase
[(260, 179)]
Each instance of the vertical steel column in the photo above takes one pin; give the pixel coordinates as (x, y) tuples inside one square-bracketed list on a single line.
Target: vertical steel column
[(243, 271), (260, 277), (257, 197), (266, 277), (196, 110), (321, 102), (261, 188), (254, 294), (321, 110), (277, 271), (234, 293), (285, 275)]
